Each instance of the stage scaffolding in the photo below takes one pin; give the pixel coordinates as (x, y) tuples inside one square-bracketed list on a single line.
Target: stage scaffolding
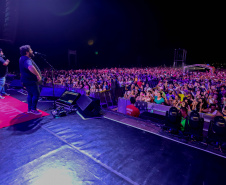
[(8, 20), (179, 57)]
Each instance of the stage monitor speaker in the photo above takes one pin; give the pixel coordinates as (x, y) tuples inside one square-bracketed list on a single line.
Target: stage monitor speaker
[(69, 98), (48, 92), (88, 105), (16, 84)]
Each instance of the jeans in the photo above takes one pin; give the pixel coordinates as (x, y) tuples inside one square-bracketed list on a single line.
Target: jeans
[(2, 85), (33, 95)]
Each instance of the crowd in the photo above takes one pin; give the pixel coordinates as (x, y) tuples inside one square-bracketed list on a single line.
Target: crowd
[(201, 91)]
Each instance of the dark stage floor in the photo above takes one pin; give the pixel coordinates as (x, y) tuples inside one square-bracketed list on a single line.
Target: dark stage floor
[(70, 150)]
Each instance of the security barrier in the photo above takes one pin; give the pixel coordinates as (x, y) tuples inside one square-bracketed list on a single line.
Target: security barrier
[(156, 109), (105, 97)]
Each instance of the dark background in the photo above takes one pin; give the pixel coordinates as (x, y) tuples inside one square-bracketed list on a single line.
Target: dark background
[(124, 33)]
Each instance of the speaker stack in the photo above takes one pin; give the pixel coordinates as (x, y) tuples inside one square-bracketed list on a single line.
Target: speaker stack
[(86, 106)]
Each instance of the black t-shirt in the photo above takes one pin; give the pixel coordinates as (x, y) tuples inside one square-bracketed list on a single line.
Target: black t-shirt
[(3, 69)]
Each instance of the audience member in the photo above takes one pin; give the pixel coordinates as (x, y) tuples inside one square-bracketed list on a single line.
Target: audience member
[(184, 116), (131, 109), (212, 110)]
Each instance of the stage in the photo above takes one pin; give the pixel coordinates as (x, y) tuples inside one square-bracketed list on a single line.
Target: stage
[(114, 149)]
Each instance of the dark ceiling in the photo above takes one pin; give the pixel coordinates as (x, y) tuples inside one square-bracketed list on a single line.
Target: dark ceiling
[(120, 33)]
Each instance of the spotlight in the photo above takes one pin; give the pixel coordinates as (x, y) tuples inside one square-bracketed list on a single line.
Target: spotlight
[(90, 42)]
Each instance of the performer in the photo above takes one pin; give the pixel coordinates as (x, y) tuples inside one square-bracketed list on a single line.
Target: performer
[(3, 72), (30, 78)]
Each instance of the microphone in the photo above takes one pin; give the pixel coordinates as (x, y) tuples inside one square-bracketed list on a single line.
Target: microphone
[(37, 53)]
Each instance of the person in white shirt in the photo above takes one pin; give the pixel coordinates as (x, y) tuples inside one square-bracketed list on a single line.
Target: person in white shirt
[(211, 110)]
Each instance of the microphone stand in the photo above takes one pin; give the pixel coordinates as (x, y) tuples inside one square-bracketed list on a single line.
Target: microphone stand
[(52, 70), (70, 83)]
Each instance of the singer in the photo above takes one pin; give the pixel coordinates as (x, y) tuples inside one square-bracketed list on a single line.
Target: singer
[(30, 78), (3, 72)]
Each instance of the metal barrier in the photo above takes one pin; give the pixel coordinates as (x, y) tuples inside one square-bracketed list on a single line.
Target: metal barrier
[(156, 109), (105, 97), (68, 87)]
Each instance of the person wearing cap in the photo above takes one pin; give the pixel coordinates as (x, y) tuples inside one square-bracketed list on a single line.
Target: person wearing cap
[(3, 72)]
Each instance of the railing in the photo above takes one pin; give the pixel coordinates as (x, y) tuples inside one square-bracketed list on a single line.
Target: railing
[(105, 97), (156, 109), (68, 87)]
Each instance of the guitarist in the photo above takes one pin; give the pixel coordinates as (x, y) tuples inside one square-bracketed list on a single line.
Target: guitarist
[(30, 77)]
